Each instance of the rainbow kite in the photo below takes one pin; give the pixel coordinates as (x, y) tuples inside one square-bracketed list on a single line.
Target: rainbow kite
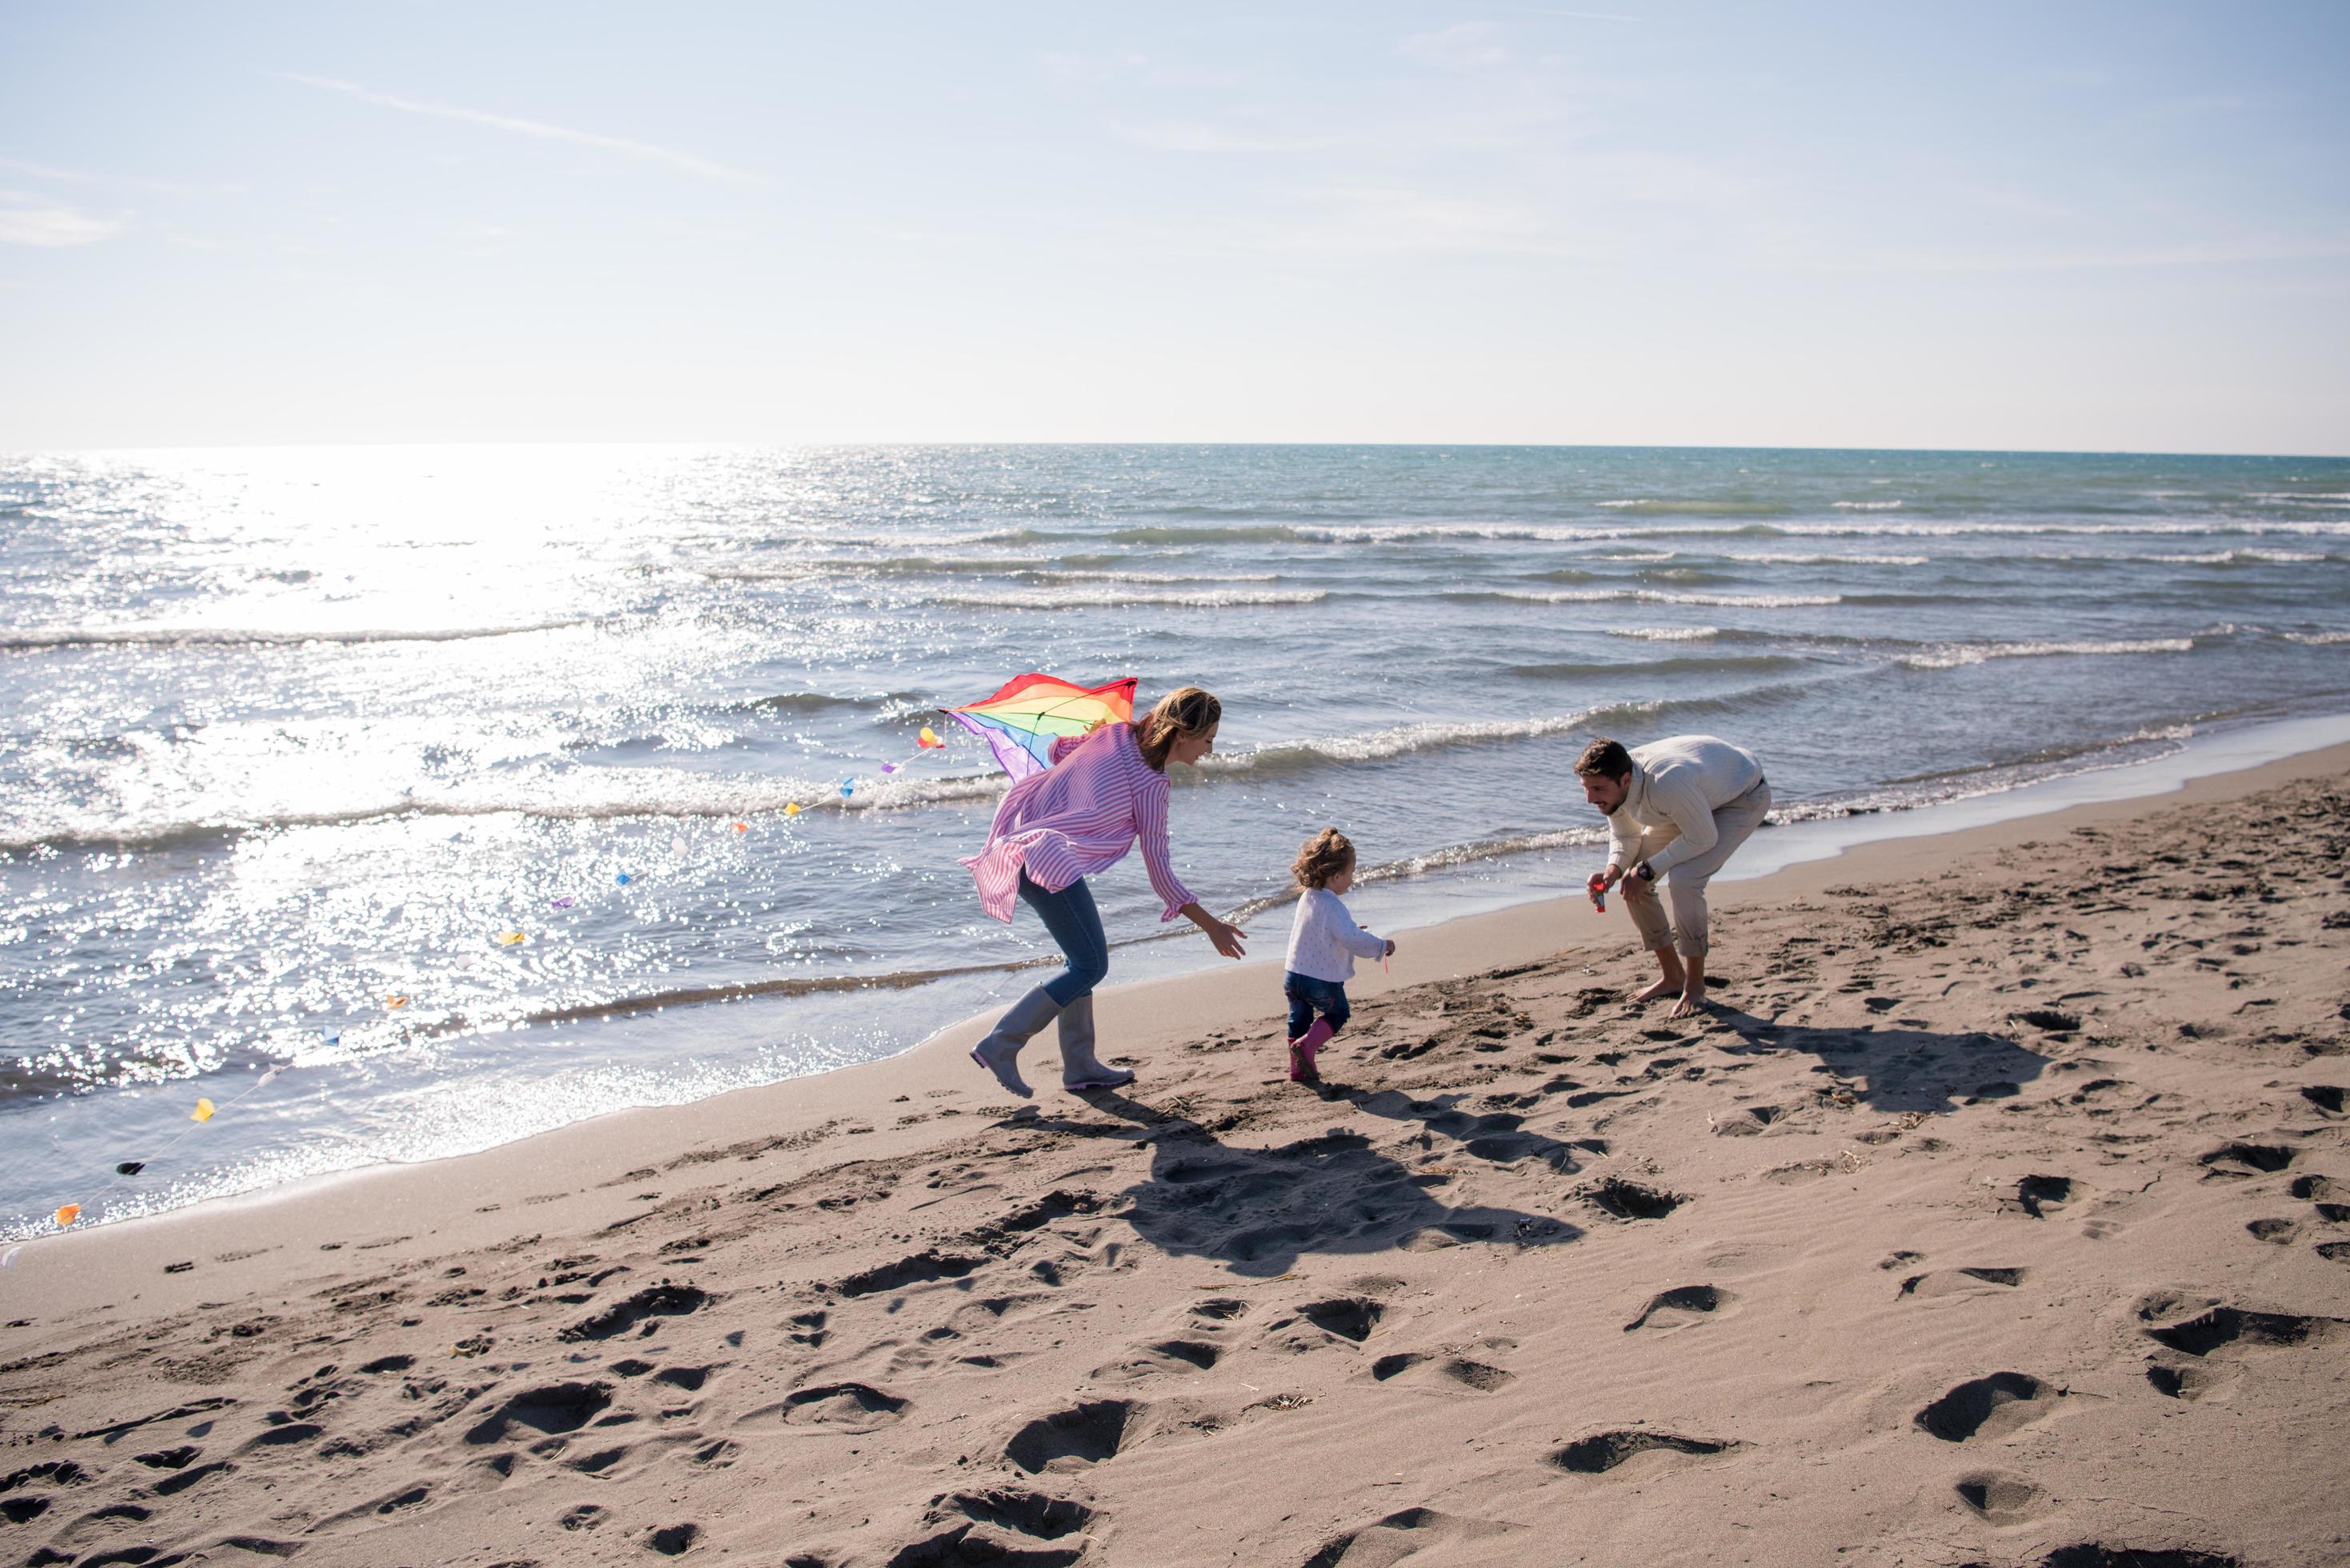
[(1021, 722)]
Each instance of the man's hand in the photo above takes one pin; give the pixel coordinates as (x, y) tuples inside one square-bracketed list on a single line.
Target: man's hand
[(1610, 877)]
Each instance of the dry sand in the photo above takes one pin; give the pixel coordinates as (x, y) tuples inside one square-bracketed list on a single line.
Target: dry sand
[(2000, 1218)]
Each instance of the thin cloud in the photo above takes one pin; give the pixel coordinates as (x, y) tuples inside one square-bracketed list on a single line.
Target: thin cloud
[(1573, 16), (707, 169), (26, 221), (1195, 136), (1463, 46), (2256, 252), (133, 181)]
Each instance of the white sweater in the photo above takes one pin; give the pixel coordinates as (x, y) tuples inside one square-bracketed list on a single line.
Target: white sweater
[(1676, 785), (1325, 941)]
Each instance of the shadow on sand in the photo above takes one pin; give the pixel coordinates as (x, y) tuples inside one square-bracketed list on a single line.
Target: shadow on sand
[(1258, 1210), (1896, 1069)]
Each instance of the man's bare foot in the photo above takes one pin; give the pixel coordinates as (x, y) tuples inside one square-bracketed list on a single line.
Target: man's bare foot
[(1662, 988), (1691, 1004)]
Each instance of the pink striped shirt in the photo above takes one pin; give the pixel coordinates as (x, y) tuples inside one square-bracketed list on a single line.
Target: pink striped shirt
[(1077, 818)]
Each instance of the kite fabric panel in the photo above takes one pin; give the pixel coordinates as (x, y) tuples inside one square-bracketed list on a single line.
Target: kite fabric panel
[(1021, 722)]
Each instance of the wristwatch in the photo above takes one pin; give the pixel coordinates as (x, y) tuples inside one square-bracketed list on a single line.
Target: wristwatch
[(1645, 872)]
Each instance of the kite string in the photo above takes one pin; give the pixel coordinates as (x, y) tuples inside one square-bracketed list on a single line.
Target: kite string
[(173, 1142)]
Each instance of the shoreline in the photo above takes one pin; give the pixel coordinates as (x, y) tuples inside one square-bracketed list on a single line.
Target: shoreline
[(1452, 893), (1996, 1215), (1225, 997)]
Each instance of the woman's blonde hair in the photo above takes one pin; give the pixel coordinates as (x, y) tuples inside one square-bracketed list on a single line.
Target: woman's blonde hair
[(1185, 711), (1326, 854)]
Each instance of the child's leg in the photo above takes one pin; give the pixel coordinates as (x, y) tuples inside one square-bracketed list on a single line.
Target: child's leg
[(1301, 1005), (1330, 1001)]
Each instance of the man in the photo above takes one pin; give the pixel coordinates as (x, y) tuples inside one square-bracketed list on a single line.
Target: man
[(1676, 810)]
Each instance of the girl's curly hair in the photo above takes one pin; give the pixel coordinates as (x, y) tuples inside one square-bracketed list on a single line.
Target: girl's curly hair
[(1325, 856)]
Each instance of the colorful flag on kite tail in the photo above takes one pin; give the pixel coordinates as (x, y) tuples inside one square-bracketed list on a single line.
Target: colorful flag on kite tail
[(1021, 722)]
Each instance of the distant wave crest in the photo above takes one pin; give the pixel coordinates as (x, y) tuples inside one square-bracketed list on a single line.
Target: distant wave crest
[(1952, 656), (256, 636), (1107, 596), (1657, 595)]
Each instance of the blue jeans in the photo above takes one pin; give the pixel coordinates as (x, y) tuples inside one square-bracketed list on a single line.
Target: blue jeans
[(1308, 996), (1071, 920)]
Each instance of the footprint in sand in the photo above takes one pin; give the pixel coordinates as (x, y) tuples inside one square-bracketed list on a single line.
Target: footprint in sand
[(1082, 1435), (2043, 1195), (1412, 1530), (1318, 1324), (2229, 1330), (2193, 1380), (839, 1406), (2001, 1498), (551, 1410), (1631, 1200), (1000, 1525), (1604, 1451), (2239, 1160), (2097, 1554), (1988, 1407), (1682, 1306), (920, 1269), (674, 1540), (663, 1300), (1962, 1282), (1748, 1120), (1182, 1357), (1440, 1372)]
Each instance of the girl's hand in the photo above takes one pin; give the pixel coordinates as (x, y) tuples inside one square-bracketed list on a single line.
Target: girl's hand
[(1227, 939), (1390, 953)]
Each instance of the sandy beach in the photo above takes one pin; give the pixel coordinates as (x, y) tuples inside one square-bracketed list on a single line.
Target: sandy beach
[(2000, 1215)]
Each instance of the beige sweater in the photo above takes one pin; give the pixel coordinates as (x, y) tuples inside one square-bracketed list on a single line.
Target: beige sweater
[(1676, 785)]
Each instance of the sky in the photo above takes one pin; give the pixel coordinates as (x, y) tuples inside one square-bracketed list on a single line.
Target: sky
[(2086, 228)]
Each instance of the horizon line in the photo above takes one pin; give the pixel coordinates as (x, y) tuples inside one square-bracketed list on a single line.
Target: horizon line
[(17, 454)]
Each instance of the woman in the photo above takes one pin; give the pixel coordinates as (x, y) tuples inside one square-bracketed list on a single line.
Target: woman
[(1104, 790)]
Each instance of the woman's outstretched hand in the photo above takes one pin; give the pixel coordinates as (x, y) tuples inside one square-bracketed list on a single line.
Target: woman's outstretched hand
[(1228, 937)]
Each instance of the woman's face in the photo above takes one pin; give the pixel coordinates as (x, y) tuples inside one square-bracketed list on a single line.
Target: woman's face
[(1189, 749)]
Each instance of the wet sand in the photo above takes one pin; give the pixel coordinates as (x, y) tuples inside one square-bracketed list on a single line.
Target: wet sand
[(2001, 1215)]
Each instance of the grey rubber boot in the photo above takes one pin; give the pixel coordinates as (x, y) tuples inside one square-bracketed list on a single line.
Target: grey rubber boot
[(1080, 1068), (1000, 1052)]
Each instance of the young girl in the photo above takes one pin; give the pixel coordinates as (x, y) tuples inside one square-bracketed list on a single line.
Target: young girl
[(1324, 943)]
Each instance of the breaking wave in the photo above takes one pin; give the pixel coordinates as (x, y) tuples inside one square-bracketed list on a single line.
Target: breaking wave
[(1669, 633), (255, 636), (1952, 656), (1653, 596), (1107, 597)]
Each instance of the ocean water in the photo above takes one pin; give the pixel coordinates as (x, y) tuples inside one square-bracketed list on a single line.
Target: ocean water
[(293, 733)]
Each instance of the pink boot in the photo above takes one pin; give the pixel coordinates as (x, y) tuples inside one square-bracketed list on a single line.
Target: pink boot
[(1301, 1052)]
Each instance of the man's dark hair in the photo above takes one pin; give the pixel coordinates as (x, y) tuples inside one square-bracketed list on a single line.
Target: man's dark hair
[(1603, 757)]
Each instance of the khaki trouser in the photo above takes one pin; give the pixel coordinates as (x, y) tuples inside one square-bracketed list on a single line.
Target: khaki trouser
[(1684, 884)]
